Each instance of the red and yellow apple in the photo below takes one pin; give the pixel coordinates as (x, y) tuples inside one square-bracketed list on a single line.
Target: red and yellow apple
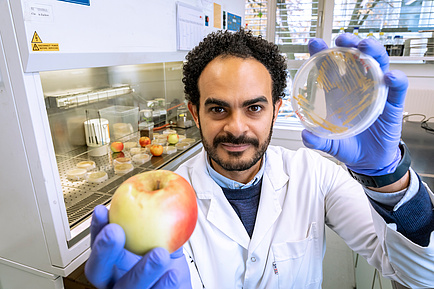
[(144, 141), (156, 150), (173, 138), (155, 209), (116, 146)]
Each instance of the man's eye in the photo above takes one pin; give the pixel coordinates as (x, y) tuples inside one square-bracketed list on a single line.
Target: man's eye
[(255, 108), (217, 109)]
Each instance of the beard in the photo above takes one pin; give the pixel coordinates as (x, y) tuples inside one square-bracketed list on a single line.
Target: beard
[(235, 163)]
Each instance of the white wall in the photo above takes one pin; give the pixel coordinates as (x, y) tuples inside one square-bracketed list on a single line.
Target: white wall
[(420, 94)]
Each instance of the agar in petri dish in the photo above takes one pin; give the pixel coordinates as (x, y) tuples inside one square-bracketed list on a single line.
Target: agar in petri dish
[(338, 93)]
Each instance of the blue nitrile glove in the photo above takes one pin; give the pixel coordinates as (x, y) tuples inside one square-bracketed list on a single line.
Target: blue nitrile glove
[(375, 151), (112, 266)]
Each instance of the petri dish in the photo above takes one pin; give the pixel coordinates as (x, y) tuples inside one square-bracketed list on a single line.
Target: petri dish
[(168, 150), (121, 169), (87, 165), (160, 141), (168, 131), (189, 140), (122, 160), (130, 144), (141, 158), (182, 145), (76, 174), (338, 93), (97, 177), (136, 151)]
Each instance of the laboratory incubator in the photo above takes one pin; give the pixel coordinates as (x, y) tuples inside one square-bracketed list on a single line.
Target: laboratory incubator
[(76, 76)]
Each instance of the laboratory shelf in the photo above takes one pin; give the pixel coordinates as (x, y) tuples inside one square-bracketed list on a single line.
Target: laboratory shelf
[(81, 196)]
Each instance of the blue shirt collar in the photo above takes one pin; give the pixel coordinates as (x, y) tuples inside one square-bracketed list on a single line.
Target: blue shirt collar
[(224, 182)]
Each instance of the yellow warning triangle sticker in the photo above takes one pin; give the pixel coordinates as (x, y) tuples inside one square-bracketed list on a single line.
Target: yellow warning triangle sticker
[(35, 47), (36, 38)]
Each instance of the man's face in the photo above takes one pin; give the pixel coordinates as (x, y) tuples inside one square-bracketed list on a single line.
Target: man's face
[(236, 112)]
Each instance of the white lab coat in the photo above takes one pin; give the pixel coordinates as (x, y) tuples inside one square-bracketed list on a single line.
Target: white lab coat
[(301, 193)]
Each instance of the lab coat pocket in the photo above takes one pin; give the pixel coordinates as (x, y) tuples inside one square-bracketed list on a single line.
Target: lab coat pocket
[(297, 264)]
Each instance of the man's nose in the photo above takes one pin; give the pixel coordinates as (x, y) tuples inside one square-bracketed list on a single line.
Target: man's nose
[(237, 124)]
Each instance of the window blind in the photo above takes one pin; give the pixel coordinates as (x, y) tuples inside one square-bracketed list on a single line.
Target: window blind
[(256, 17), (384, 15), (296, 23)]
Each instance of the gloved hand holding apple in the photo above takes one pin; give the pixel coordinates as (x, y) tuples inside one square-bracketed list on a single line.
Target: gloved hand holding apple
[(152, 214)]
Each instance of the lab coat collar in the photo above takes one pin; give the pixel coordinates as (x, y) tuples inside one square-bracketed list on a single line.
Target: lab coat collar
[(221, 214), (206, 187)]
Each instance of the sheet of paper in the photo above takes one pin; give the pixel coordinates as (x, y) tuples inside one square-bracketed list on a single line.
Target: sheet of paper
[(190, 26), (217, 16)]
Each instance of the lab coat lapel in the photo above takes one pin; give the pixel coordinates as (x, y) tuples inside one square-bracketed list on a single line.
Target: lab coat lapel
[(269, 205), (222, 215), (219, 213)]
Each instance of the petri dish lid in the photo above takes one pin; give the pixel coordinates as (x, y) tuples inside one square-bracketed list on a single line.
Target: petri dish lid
[(122, 160), (136, 151), (76, 174), (182, 145), (97, 177), (338, 93), (189, 140), (130, 144), (168, 150), (88, 165), (141, 158), (123, 168)]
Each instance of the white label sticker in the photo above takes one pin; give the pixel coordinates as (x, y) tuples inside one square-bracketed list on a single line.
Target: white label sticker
[(39, 12)]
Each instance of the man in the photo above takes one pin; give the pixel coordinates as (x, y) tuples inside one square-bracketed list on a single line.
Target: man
[(263, 209)]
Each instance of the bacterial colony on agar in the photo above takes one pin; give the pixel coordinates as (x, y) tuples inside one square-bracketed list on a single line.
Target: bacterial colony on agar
[(338, 93)]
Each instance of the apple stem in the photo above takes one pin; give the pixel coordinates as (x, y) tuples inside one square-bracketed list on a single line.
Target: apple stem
[(158, 184)]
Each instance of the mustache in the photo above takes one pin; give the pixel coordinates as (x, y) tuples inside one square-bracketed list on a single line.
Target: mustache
[(230, 138)]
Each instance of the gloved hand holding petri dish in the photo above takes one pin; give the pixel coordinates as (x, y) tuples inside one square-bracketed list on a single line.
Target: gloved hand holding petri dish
[(338, 93)]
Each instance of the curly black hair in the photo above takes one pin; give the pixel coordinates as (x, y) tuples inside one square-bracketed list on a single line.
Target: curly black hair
[(241, 44)]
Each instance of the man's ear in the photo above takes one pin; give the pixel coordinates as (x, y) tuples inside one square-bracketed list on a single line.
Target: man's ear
[(193, 110), (277, 106)]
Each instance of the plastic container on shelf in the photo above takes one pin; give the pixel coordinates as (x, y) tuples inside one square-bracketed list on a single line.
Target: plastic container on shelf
[(123, 120), (356, 32), (338, 93), (382, 38), (388, 44), (146, 129), (398, 46), (371, 35)]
